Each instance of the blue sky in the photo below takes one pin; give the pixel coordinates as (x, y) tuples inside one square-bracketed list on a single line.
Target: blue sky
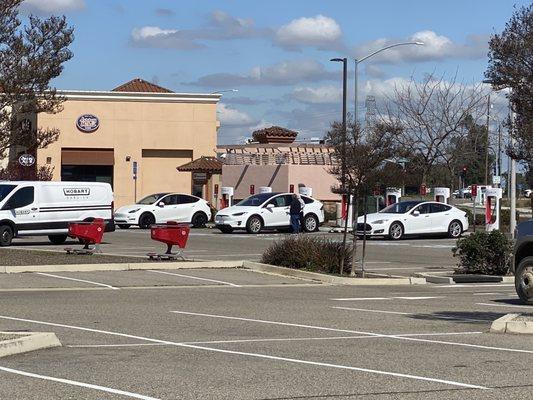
[(276, 53)]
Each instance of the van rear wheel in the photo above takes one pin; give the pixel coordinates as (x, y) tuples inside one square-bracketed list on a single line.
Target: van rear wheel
[(6, 235), (57, 239)]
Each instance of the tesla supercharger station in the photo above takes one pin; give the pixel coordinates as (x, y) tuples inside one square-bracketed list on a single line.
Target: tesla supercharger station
[(392, 195), (305, 191), (442, 194), (493, 197), (226, 199), (265, 189), (344, 212), (479, 198)]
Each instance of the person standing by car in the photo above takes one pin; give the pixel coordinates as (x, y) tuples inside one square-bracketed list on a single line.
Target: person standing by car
[(294, 212)]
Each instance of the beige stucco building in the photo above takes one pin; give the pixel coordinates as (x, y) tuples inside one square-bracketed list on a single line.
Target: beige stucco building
[(105, 133), (279, 162)]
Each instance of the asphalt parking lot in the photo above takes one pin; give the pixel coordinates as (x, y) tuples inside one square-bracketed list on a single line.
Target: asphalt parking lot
[(404, 257), (236, 334)]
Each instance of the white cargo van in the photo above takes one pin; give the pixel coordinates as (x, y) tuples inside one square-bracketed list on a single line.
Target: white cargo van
[(46, 208)]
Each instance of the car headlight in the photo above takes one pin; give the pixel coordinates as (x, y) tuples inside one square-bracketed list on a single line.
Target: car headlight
[(238, 214), (380, 221), (133, 211)]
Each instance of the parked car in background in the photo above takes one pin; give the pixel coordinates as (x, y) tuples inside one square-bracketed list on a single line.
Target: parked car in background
[(46, 208), (414, 218), (465, 193), (164, 207), (522, 265), (268, 211)]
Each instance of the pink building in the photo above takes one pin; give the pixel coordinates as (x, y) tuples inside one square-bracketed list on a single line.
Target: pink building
[(277, 161)]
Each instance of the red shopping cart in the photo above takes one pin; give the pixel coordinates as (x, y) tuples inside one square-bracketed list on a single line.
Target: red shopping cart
[(88, 233), (172, 234)]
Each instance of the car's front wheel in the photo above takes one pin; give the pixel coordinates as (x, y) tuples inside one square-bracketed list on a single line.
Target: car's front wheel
[(455, 229), (254, 224), (396, 231), (523, 280), (146, 220)]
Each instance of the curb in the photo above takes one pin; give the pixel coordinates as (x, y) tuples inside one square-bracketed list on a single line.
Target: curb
[(452, 280), (507, 324), (28, 342), (328, 279), (119, 266)]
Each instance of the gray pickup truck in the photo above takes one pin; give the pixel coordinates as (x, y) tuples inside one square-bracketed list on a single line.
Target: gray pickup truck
[(522, 265)]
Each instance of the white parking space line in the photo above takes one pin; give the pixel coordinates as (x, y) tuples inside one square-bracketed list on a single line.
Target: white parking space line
[(389, 298), (77, 383), (274, 340), (258, 355), (77, 280), (504, 305), (486, 294), (474, 285), (193, 277), (322, 328)]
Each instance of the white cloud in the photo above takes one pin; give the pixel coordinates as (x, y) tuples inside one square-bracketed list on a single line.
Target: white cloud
[(233, 117), (154, 36), (317, 95), (318, 31), (283, 73), (436, 47), (52, 6)]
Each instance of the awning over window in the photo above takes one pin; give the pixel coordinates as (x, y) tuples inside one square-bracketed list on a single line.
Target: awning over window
[(87, 157)]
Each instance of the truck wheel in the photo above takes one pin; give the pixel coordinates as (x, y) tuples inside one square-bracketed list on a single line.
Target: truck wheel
[(146, 220), (523, 280), (6, 235), (57, 239)]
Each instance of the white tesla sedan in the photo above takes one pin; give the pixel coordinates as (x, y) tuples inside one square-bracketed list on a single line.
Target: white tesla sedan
[(270, 211), (164, 207), (415, 218)]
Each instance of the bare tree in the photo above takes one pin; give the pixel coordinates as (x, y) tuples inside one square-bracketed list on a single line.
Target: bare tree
[(32, 53), (365, 154), (432, 115)]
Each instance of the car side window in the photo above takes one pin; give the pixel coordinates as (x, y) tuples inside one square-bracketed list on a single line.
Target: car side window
[(21, 198), (170, 200), (423, 209), (437, 208), (278, 201), (185, 199)]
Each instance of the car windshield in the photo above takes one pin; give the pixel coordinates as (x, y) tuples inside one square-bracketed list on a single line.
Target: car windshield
[(400, 208), (151, 199), (5, 190), (255, 200)]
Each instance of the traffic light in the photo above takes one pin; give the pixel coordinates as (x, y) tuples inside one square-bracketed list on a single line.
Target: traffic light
[(463, 171)]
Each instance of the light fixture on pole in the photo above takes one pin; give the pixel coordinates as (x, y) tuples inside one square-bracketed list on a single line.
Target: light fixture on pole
[(360, 60)]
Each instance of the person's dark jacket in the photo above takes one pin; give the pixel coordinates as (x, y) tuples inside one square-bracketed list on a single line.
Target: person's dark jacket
[(296, 207)]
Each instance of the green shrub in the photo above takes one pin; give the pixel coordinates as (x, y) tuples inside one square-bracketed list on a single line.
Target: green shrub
[(487, 253), (312, 253)]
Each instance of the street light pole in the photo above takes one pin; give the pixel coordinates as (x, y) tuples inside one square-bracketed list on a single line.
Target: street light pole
[(487, 142), (360, 60), (512, 180)]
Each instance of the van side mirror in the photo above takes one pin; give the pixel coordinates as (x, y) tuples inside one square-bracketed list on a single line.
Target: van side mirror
[(416, 213)]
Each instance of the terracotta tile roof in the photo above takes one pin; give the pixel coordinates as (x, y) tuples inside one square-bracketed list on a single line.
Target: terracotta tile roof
[(202, 164), (274, 134), (142, 86)]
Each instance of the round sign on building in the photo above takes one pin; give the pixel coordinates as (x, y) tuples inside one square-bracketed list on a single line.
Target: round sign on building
[(88, 123)]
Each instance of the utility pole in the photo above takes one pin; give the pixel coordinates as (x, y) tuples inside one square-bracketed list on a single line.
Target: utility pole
[(487, 143), (512, 180), (500, 150)]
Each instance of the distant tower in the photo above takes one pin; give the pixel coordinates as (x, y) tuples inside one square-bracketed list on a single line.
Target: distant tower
[(370, 115)]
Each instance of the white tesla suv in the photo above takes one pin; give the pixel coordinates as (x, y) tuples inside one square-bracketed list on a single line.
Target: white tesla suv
[(164, 207), (268, 211), (414, 218)]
